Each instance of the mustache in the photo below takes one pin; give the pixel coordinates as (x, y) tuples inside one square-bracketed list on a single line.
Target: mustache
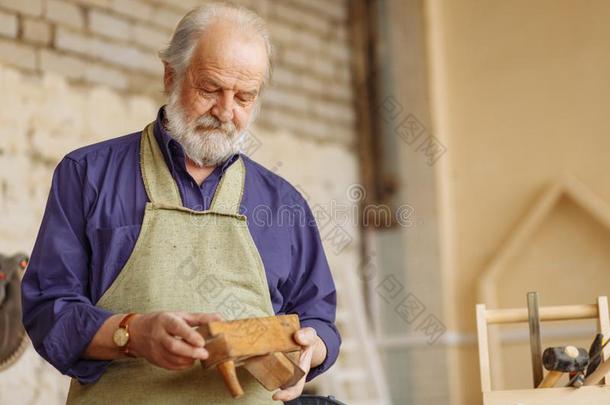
[(208, 121)]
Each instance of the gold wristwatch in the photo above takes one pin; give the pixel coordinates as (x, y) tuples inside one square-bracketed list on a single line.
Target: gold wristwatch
[(121, 335)]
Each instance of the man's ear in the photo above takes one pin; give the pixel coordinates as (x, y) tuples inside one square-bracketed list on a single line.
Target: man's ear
[(169, 75)]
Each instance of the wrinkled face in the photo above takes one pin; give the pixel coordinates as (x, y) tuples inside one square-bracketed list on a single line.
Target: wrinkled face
[(212, 105)]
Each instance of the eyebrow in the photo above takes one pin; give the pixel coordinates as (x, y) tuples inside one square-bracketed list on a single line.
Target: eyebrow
[(252, 93), (216, 83)]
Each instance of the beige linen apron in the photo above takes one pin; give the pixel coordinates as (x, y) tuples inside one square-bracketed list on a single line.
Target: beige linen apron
[(183, 260)]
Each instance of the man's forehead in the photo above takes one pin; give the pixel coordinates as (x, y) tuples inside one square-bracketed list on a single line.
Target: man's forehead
[(227, 54), (222, 76)]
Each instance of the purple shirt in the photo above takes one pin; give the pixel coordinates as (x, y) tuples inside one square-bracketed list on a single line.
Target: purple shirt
[(91, 223)]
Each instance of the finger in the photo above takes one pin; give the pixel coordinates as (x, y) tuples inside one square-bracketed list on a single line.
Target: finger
[(173, 362), (178, 327), (198, 318), (290, 393), (180, 348), (305, 360), (306, 336), (294, 391)]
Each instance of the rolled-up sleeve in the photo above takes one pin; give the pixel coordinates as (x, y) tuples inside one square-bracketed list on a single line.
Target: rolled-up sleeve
[(57, 311), (313, 295)]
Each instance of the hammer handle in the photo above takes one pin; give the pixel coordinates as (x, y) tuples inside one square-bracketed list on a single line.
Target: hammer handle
[(598, 374), (550, 379)]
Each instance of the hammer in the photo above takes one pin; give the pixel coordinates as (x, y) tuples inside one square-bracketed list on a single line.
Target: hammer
[(559, 360)]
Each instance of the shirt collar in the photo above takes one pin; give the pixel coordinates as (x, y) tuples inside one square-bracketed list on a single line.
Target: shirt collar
[(173, 152)]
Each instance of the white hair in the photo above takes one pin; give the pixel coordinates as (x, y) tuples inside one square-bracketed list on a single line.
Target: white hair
[(188, 32)]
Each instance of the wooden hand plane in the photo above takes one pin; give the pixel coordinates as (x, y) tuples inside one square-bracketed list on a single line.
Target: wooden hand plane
[(265, 347)]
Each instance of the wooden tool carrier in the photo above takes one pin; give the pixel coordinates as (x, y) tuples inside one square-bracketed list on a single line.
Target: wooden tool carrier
[(598, 393), (265, 347)]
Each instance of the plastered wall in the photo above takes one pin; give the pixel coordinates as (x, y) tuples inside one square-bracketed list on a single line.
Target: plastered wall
[(520, 97)]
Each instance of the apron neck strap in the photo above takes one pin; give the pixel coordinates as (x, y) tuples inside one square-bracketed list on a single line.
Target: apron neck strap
[(230, 190), (158, 181), (161, 187)]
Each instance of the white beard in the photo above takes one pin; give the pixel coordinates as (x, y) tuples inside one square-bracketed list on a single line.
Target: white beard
[(206, 140)]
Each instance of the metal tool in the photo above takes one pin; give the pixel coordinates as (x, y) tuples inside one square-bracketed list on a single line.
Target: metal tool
[(535, 343)]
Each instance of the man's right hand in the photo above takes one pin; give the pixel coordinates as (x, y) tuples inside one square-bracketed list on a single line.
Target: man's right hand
[(167, 339)]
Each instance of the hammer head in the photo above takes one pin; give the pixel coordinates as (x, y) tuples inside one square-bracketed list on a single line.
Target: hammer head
[(565, 359)]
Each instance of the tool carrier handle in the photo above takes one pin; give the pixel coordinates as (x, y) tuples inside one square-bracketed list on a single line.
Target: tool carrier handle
[(486, 317)]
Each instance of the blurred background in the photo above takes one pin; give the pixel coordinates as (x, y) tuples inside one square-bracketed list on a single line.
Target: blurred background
[(454, 152)]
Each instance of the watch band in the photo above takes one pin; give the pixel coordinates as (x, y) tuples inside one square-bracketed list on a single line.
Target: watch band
[(124, 324)]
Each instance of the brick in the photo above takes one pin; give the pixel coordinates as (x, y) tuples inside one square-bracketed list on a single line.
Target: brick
[(336, 112), (344, 73), (65, 65), (73, 41), (287, 12), (65, 13), (324, 66), (16, 54), (337, 9), (132, 8), (96, 73), (36, 31), (113, 53), (316, 22), (166, 18), (288, 99), (127, 57), (150, 36), (260, 7), (340, 91), (312, 84), (139, 83), (296, 57), (281, 32), (308, 40), (182, 5), (340, 34), (8, 24), (97, 3), (108, 25), (283, 76), (28, 7), (339, 52)]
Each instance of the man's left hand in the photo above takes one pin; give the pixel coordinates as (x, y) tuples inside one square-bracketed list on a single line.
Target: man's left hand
[(314, 353)]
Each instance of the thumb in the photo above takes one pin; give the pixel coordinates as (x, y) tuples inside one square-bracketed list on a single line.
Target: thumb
[(306, 336)]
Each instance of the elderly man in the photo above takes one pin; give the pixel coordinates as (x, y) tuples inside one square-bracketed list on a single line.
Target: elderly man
[(147, 235)]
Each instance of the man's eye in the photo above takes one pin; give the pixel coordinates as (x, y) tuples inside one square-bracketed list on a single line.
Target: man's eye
[(246, 98), (206, 92)]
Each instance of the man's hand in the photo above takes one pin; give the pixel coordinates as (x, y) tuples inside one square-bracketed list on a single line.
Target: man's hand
[(165, 339), (314, 353)]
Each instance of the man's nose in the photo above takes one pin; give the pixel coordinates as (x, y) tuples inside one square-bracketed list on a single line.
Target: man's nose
[(223, 109)]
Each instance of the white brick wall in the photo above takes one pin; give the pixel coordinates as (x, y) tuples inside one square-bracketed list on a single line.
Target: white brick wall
[(92, 72), (117, 42)]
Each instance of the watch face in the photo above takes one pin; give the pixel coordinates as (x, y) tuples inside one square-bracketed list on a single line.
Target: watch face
[(120, 337)]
